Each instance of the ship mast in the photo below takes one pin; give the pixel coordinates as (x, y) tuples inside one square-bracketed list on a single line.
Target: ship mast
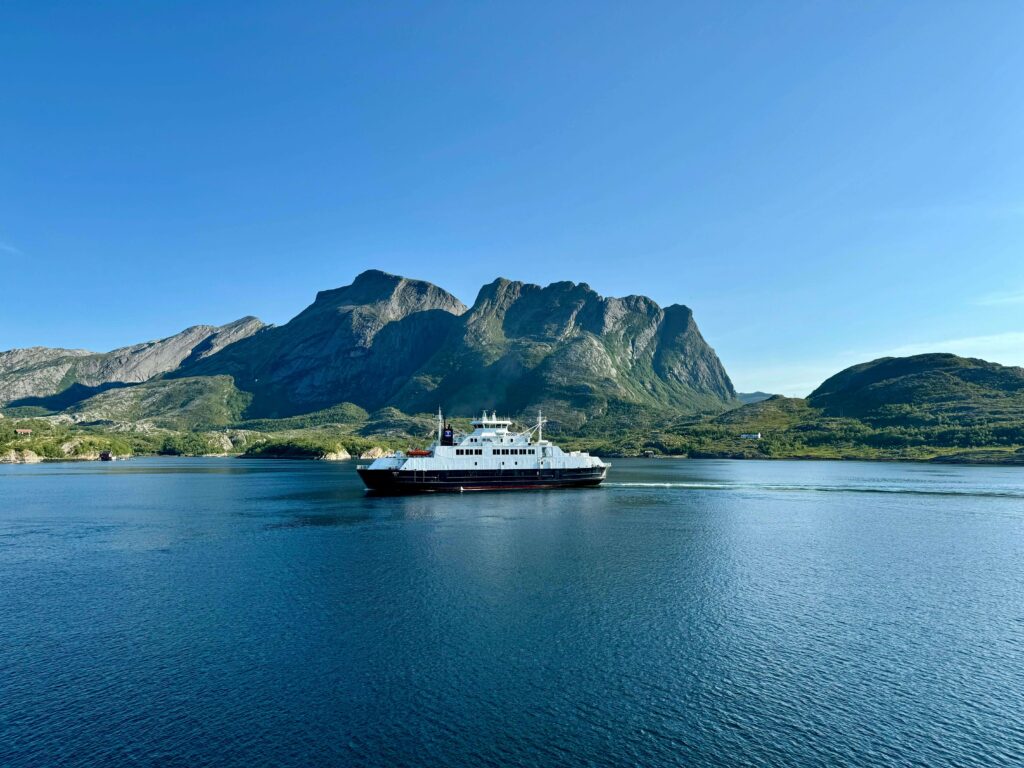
[(440, 424), (540, 426)]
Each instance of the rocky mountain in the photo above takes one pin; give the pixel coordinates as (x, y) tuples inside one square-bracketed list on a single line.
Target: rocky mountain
[(357, 344), (752, 397), (40, 372), (390, 341), (571, 351)]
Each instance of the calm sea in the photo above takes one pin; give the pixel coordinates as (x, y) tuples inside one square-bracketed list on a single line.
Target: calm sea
[(192, 612)]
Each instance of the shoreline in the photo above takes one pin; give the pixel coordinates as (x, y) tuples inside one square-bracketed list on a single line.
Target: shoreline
[(1014, 461)]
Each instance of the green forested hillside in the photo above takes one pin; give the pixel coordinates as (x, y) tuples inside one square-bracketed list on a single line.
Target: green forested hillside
[(926, 406), (930, 407)]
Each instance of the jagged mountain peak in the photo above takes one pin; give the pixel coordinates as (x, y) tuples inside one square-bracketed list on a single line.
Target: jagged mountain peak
[(375, 286), (565, 345), (389, 340)]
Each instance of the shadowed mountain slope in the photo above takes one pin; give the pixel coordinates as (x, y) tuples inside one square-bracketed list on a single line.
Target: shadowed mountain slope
[(40, 372), (390, 341), (358, 344)]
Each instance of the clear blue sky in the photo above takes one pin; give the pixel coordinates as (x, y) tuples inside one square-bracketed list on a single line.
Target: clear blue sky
[(822, 183)]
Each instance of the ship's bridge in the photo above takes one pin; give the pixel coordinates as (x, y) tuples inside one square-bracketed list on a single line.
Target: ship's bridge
[(491, 422)]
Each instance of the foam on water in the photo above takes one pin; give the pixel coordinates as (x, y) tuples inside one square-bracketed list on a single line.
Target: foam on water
[(1009, 493)]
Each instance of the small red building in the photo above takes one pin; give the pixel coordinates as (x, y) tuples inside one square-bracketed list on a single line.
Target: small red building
[(23, 431)]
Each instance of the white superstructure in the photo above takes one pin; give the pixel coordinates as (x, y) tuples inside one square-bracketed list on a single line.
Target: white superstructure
[(491, 445), (491, 457)]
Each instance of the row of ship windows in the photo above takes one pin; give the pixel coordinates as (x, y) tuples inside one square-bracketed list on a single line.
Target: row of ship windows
[(495, 451)]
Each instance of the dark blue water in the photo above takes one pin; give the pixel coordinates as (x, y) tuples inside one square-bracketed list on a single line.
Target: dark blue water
[(224, 612)]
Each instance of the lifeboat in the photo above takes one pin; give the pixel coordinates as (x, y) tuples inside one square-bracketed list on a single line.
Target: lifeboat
[(414, 453)]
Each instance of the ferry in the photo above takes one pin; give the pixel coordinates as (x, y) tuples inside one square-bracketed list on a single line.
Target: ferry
[(490, 458)]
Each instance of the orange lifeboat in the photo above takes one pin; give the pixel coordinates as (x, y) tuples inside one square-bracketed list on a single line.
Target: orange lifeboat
[(418, 453)]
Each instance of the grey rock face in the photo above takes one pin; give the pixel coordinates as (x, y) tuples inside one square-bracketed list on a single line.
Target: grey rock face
[(357, 344), (35, 371), (389, 341), (567, 348), (41, 372)]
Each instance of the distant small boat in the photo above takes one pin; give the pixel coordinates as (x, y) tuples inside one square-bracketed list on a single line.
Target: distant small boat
[(106, 456)]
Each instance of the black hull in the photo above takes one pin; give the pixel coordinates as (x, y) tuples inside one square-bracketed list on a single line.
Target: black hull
[(388, 481)]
